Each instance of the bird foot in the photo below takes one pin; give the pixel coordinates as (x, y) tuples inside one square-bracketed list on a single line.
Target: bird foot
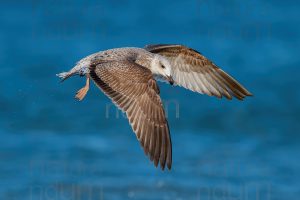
[(80, 94)]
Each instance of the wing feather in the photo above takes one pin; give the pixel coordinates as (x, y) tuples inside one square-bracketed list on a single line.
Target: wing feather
[(195, 72), (132, 88)]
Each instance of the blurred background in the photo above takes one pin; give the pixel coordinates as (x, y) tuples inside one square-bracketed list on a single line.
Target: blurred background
[(53, 147)]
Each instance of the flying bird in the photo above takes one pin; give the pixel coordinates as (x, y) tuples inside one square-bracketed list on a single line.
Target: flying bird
[(128, 77)]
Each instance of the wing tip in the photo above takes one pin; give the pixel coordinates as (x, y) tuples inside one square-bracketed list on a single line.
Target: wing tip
[(163, 165), (166, 166), (242, 94), (239, 95)]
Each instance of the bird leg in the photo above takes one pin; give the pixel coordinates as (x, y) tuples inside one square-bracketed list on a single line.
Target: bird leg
[(80, 94)]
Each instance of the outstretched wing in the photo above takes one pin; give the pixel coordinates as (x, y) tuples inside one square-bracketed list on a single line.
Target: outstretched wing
[(193, 71), (132, 88)]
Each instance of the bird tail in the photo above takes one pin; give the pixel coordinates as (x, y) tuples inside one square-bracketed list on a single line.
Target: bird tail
[(64, 75), (81, 68)]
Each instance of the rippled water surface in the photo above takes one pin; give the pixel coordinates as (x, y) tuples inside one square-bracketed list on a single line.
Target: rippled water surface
[(53, 147)]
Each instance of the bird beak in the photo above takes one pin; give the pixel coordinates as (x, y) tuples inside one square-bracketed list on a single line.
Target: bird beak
[(170, 79)]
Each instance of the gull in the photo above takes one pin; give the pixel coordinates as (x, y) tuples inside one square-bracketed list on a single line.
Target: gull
[(128, 77)]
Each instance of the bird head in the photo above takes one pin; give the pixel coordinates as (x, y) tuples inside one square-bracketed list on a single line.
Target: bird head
[(161, 67)]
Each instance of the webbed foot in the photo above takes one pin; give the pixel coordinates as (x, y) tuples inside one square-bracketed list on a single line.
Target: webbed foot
[(80, 94)]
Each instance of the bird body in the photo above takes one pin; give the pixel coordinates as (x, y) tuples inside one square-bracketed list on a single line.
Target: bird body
[(137, 55), (128, 77)]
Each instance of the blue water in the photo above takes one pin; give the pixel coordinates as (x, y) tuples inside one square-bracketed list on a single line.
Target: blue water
[(53, 147)]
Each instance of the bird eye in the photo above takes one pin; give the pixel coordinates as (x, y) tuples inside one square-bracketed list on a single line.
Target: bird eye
[(162, 66)]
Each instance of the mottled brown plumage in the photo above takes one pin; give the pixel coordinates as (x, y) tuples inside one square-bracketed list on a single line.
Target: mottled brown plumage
[(127, 76), (132, 88), (193, 71)]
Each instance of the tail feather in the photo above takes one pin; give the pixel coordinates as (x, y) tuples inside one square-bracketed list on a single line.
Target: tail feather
[(81, 68), (64, 75)]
